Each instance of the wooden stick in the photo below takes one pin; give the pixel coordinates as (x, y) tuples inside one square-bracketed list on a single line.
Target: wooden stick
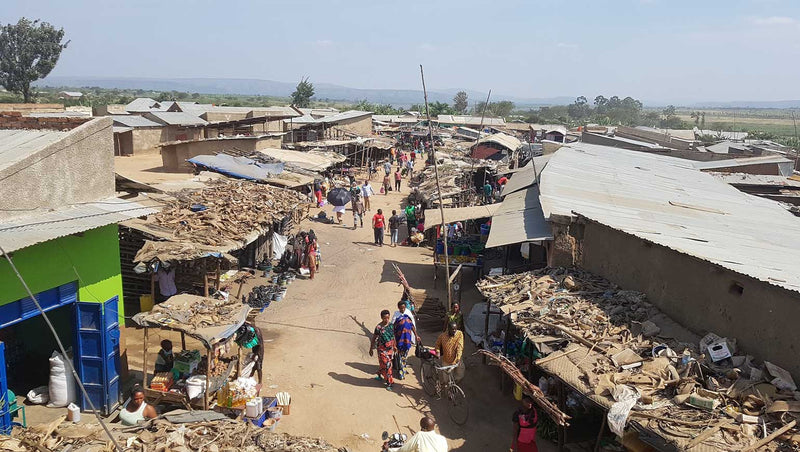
[(708, 433), (554, 356), (439, 191), (209, 352), (769, 438), (144, 359)]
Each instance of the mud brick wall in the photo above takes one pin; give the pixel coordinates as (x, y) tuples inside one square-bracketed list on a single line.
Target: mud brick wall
[(15, 120)]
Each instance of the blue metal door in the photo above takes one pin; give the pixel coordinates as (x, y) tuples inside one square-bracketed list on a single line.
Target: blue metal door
[(111, 322), (97, 353), (5, 415)]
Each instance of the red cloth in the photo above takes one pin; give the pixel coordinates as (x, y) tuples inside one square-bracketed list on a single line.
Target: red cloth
[(378, 221), (502, 180)]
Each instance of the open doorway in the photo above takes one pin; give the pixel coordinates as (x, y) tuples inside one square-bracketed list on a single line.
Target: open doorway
[(29, 345)]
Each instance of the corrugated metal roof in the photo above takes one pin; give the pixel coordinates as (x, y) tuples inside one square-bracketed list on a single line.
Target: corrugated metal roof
[(469, 120), (26, 231), (311, 160), (144, 104), (343, 116), (121, 129), (519, 219), (526, 176), (731, 163), (667, 201), (15, 145), (133, 121), (502, 139), (176, 118), (432, 216)]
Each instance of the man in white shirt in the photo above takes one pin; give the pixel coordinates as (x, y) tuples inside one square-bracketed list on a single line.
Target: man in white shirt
[(367, 191), (426, 440), (166, 282)]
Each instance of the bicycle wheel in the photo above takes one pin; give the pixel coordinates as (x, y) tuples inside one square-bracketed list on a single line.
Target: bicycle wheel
[(427, 376), (459, 410)]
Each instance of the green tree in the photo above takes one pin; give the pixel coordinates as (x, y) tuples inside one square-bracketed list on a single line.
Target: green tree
[(579, 109), (460, 102), (301, 97), (29, 50)]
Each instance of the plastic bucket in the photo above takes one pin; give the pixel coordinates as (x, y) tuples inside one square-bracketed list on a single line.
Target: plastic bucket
[(145, 303)]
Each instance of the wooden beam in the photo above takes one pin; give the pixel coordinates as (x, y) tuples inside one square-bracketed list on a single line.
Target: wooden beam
[(144, 359), (769, 438), (455, 273), (707, 433)]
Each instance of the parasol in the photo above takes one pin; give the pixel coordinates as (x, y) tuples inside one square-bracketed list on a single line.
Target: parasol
[(339, 197)]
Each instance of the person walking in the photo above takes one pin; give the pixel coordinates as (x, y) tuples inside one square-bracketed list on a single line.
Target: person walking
[(387, 167), (357, 206), (311, 257), (397, 179), (387, 184), (405, 333), (487, 192), (383, 341), (410, 167), (378, 225), (450, 345), (366, 192), (524, 420), (394, 227)]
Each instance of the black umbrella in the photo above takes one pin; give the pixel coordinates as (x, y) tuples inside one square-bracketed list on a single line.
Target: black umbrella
[(339, 197)]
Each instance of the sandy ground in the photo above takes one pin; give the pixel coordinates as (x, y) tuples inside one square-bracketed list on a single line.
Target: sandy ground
[(318, 342)]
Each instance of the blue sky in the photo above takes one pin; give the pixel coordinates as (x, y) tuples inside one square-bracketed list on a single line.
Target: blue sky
[(656, 50)]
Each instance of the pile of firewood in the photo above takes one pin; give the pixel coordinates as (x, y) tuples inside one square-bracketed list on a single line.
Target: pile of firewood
[(162, 435), (226, 211)]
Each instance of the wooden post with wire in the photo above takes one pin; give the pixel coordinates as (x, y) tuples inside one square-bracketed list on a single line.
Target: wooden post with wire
[(439, 191)]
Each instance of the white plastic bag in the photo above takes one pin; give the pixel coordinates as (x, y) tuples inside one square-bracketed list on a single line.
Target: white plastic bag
[(626, 397), (62, 383), (39, 395)]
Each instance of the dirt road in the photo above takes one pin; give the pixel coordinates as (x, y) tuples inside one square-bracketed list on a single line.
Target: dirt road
[(318, 342)]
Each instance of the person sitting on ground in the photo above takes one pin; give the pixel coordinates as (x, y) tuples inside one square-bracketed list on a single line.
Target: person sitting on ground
[(450, 345), (136, 409), (425, 440), (165, 359)]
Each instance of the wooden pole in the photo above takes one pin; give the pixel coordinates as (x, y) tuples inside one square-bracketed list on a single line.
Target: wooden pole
[(439, 190), (209, 351), (183, 341), (144, 359)]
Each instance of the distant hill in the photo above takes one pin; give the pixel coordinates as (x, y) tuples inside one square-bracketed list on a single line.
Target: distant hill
[(396, 97), (780, 104)]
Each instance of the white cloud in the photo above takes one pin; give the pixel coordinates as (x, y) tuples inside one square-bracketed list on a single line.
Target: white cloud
[(565, 45), (323, 43), (775, 20)]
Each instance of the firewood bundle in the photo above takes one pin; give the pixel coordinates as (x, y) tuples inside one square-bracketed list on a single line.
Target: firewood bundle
[(227, 211)]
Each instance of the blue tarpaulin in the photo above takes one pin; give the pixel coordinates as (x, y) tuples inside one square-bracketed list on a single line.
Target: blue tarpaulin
[(241, 167)]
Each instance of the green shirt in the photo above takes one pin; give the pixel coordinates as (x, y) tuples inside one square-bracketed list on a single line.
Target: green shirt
[(410, 214)]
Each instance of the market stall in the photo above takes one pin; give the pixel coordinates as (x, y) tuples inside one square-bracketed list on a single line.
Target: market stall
[(649, 377), (214, 323)]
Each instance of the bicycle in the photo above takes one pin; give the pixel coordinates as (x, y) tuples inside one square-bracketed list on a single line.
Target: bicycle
[(430, 374)]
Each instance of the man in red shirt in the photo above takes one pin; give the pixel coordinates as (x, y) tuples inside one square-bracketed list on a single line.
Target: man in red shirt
[(378, 224)]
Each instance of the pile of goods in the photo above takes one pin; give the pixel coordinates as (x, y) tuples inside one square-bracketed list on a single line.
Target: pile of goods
[(205, 436), (606, 343), (227, 211), (236, 394), (162, 381), (461, 251)]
